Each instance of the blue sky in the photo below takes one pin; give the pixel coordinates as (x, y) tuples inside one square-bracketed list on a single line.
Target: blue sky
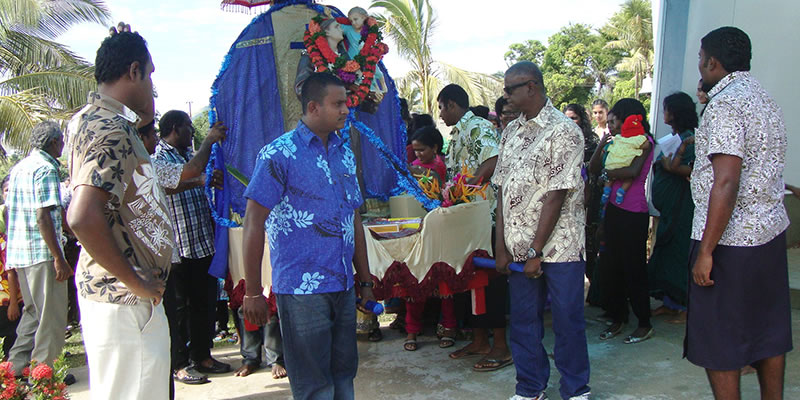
[(189, 38)]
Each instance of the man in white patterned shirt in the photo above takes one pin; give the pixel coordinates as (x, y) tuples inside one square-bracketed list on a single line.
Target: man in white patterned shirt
[(739, 306), (473, 143), (540, 222)]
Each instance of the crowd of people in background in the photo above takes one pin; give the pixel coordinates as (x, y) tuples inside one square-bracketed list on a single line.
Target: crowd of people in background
[(574, 196)]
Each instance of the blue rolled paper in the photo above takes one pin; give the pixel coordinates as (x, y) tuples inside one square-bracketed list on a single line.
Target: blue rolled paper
[(489, 263), (375, 307)]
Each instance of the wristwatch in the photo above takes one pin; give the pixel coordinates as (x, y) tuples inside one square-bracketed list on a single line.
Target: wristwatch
[(367, 284), (532, 253)]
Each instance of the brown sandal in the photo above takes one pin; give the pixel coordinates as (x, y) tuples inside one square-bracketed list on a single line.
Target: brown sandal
[(495, 364)]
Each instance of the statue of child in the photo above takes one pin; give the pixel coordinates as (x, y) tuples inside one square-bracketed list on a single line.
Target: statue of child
[(352, 33)]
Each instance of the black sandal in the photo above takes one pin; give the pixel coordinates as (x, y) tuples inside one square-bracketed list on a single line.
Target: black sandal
[(613, 330), (192, 377), (375, 335)]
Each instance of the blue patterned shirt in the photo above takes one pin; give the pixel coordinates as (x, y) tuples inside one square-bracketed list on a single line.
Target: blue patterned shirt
[(34, 184), (312, 196)]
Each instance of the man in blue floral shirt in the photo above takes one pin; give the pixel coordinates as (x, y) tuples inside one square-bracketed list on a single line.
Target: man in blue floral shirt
[(304, 186)]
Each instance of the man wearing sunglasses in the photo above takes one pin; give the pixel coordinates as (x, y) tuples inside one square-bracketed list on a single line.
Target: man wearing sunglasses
[(540, 222)]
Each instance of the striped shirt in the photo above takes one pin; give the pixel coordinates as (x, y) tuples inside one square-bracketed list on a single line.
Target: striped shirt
[(34, 184), (189, 210)]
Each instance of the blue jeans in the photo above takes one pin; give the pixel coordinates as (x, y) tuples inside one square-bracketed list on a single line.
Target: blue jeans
[(268, 336), (319, 344), (564, 283)]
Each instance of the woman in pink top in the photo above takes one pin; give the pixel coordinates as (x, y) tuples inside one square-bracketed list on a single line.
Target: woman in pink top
[(626, 225), (427, 143)]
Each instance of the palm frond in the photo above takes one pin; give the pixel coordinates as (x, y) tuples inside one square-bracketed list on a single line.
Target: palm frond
[(25, 53), (66, 86), (52, 18), (19, 112), (481, 88)]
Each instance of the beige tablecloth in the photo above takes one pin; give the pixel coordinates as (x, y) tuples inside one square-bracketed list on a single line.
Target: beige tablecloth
[(448, 235), (236, 259)]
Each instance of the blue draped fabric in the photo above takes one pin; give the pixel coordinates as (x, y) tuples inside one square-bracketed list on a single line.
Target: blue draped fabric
[(245, 97)]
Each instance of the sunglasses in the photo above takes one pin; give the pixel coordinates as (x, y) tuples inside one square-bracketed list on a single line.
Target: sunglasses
[(510, 89)]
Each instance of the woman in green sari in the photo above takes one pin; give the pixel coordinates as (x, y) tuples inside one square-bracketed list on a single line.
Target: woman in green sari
[(668, 268)]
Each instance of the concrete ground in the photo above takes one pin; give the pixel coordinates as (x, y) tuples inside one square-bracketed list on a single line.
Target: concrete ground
[(651, 370)]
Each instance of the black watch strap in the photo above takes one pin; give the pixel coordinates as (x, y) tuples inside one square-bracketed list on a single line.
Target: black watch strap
[(367, 284)]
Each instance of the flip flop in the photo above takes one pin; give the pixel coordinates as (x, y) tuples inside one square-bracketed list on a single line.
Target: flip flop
[(462, 353), (410, 345), (499, 364), (446, 341)]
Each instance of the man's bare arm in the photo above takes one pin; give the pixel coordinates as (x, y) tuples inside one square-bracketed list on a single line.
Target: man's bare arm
[(197, 165), (254, 305), (52, 238)]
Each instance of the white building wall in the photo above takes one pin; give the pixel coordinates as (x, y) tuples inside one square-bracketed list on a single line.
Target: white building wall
[(775, 35)]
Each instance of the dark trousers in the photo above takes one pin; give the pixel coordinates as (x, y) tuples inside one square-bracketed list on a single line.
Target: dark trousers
[(319, 344), (268, 337), (626, 264), (564, 283), (496, 305), (72, 252), (222, 315), (8, 329), (496, 302), (190, 303)]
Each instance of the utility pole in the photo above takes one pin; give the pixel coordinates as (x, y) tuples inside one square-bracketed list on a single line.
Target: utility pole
[(190, 108)]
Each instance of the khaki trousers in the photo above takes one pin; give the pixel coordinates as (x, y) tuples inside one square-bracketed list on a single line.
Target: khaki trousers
[(40, 333), (128, 350)]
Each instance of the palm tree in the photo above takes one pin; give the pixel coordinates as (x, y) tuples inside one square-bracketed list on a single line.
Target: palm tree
[(40, 78), (410, 25), (632, 27)]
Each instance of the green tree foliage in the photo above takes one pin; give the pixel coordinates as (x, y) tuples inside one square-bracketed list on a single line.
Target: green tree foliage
[(201, 128), (531, 50), (40, 78), (580, 64), (7, 163), (410, 24), (574, 63), (631, 31)]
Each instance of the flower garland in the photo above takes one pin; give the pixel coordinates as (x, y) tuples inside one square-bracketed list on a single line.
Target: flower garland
[(360, 70)]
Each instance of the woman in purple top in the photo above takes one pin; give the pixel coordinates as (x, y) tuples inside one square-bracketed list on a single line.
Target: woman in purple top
[(625, 227)]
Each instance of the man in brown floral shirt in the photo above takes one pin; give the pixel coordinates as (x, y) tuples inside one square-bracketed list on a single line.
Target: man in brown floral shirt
[(119, 215), (540, 223), (739, 304)]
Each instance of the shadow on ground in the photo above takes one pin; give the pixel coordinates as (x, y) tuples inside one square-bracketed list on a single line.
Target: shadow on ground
[(651, 370)]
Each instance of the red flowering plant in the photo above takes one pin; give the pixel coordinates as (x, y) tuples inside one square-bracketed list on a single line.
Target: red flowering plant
[(360, 70), (48, 383), (12, 389), (43, 382)]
